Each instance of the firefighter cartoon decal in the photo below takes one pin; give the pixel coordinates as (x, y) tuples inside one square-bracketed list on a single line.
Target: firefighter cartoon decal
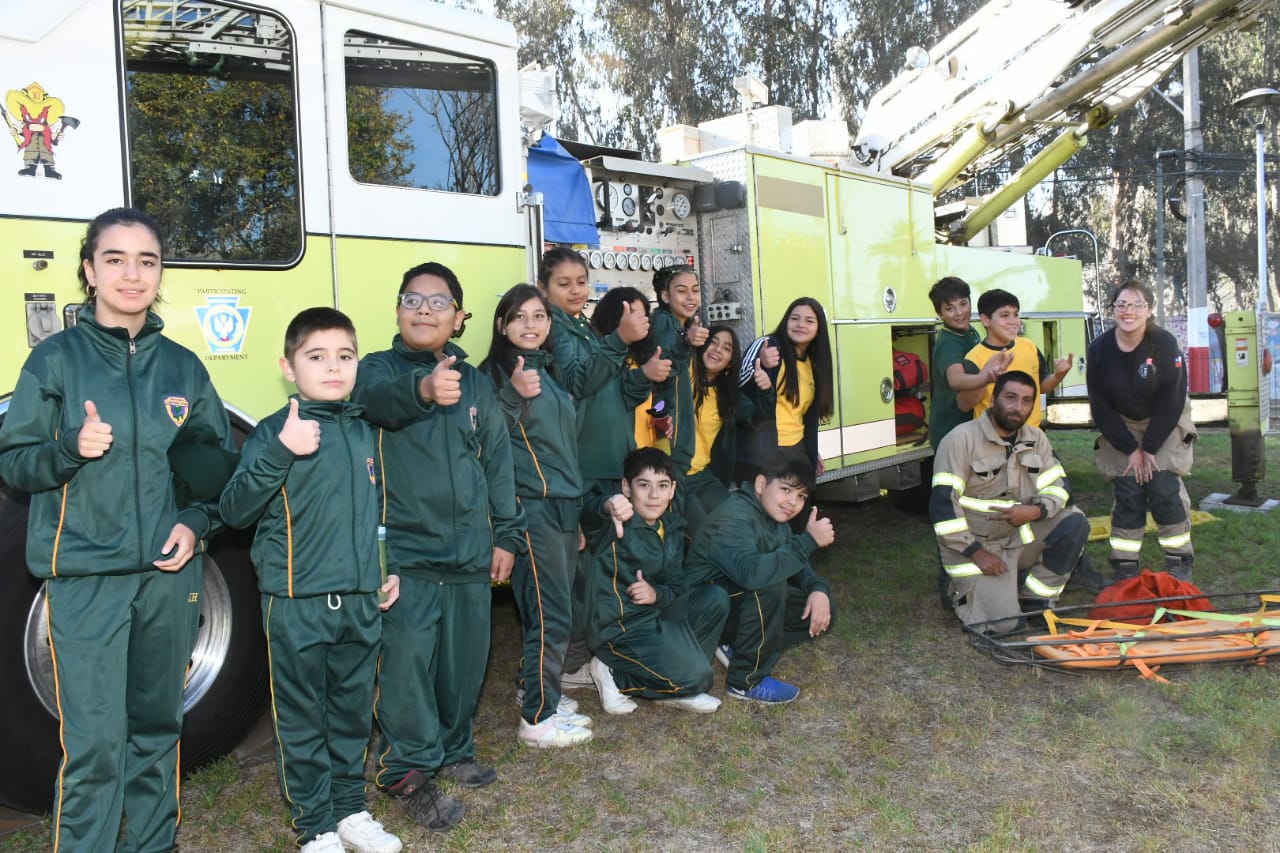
[(37, 122)]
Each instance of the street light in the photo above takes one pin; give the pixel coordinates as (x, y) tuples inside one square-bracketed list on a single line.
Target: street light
[(1262, 98)]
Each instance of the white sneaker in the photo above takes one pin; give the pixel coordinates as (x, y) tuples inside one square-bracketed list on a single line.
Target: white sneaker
[(554, 731), (325, 842), (580, 677), (610, 697), (582, 721), (361, 833), (566, 706), (703, 703)]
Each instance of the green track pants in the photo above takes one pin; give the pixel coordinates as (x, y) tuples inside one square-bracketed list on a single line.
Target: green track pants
[(435, 647), (121, 645), (323, 654)]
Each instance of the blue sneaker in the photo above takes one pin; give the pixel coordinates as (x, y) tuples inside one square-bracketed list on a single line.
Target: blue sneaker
[(724, 654), (770, 691)]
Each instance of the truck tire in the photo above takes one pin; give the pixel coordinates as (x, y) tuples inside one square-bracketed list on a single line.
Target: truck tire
[(227, 684)]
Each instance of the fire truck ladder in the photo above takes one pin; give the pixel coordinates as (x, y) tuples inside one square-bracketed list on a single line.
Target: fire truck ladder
[(1034, 73)]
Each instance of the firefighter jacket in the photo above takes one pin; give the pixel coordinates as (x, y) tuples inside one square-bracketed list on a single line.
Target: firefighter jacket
[(976, 475)]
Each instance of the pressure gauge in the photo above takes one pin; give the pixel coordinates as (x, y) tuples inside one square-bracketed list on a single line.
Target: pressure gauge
[(646, 262), (610, 260), (628, 206), (680, 205), (597, 259), (633, 261)]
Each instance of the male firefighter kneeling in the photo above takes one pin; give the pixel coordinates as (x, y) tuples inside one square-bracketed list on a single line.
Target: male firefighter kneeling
[(999, 509)]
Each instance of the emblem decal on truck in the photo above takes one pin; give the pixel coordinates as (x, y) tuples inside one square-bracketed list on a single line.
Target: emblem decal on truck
[(224, 323)]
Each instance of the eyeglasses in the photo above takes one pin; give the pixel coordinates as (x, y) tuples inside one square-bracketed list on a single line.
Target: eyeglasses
[(1126, 307), (411, 301)]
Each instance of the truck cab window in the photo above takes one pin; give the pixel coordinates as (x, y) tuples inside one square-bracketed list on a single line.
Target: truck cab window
[(210, 111), (420, 117)]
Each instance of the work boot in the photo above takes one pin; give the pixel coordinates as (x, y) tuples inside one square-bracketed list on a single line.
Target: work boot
[(50, 172), (1125, 569), (1179, 566), (1084, 576), (27, 171)]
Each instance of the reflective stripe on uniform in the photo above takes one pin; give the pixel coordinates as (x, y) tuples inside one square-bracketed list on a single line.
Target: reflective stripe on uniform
[(980, 505), (1040, 589), (963, 570), (1129, 546), (1179, 540), (1055, 492), (1026, 534), (1054, 473), (944, 478), (951, 525)]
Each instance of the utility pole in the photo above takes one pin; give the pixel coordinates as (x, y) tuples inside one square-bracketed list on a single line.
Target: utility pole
[(1197, 277)]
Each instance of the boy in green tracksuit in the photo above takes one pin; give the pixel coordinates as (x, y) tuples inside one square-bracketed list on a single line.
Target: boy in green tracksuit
[(653, 639), (775, 599), (307, 476), (453, 526)]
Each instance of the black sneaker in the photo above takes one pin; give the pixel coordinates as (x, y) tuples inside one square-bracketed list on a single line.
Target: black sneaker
[(468, 773), (419, 798)]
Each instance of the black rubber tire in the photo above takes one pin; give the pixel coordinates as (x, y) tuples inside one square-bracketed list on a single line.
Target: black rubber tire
[(232, 690)]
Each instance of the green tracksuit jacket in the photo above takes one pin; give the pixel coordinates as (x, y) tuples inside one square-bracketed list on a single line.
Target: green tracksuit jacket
[(765, 569), (109, 515), (677, 390), (543, 435), (659, 650), (605, 391), (442, 467), (317, 515)]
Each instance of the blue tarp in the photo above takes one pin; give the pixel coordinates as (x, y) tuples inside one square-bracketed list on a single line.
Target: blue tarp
[(569, 212)]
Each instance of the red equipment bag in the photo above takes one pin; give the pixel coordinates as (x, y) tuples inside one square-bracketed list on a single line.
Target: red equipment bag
[(909, 372), (1147, 585), (908, 415)]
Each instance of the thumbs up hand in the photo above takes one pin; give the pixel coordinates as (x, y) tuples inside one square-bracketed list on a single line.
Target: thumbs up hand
[(95, 436), (820, 529), (301, 436), (696, 333), (443, 385), (641, 592), (528, 383), (657, 368), (762, 380), (634, 324), (769, 355)]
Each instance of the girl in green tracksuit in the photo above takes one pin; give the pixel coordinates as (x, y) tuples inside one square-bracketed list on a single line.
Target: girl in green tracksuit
[(592, 367), (453, 526), (541, 421), (89, 431), (678, 330)]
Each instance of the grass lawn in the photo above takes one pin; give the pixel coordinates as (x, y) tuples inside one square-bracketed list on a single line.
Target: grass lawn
[(903, 737)]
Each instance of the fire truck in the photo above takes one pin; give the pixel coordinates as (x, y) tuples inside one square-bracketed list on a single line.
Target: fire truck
[(306, 152)]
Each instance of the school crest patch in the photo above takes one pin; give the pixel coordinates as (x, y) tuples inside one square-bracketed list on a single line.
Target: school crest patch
[(177, 408), (368, 461)]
